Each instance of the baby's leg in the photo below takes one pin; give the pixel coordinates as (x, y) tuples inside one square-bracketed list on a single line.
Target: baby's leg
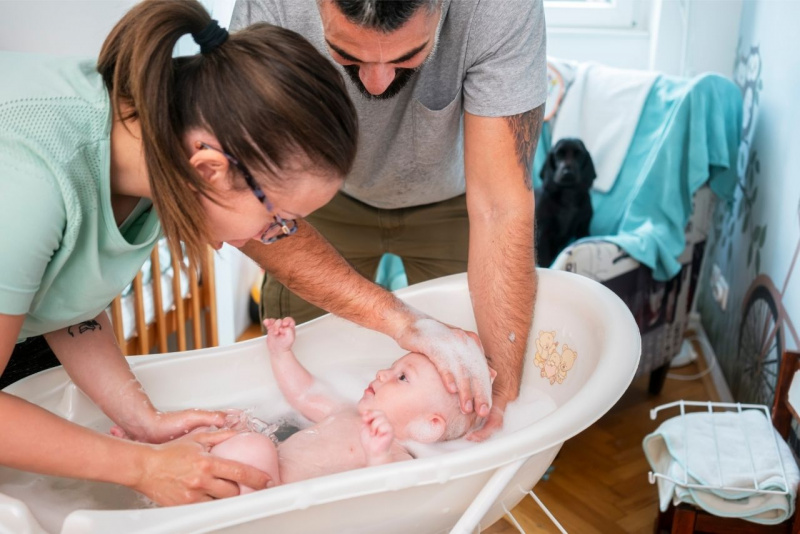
[(253, 449)]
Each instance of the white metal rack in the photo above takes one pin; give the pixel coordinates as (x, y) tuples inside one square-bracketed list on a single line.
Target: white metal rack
[(722, 406)]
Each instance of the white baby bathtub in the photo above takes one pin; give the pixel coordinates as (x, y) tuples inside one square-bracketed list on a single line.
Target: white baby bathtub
[(456, 491)]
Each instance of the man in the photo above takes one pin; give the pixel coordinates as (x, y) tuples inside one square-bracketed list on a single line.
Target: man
[(450, 95)]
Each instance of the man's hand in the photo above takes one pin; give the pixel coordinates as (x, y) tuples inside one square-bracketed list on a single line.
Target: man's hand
[(457, 355), (183, 471)]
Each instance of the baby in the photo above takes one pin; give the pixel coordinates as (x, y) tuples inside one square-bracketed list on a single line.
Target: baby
[(408, 401)]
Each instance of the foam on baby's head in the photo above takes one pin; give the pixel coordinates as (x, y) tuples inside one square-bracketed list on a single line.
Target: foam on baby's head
[(457, 424)]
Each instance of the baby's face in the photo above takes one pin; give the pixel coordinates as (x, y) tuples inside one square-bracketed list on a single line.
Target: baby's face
[(411, 387)]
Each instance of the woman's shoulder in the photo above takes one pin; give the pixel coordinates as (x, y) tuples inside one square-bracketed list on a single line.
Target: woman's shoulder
[(41, 78), (51, 109)]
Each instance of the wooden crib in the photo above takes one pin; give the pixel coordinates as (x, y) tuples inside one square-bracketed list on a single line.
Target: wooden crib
[(189, 311)]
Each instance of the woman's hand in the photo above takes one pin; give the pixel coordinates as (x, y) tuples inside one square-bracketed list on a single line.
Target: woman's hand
[(183, 471), (458, 356), (159, 427)]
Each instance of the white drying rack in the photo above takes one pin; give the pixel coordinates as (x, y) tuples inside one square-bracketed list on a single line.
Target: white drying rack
[(723, 406)]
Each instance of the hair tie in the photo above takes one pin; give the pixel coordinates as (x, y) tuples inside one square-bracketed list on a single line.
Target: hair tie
[(210, 37)]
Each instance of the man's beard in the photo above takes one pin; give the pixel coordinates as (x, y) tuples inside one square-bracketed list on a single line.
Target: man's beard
[(401, 79)]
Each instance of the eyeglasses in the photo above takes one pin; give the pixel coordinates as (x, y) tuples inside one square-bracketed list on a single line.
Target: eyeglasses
[(281, 227)]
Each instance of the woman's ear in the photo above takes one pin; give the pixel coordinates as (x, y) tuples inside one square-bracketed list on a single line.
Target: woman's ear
[(427, 428), (211, 165)]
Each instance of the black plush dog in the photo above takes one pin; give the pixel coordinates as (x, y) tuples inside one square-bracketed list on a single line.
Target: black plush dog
[(563, 205)]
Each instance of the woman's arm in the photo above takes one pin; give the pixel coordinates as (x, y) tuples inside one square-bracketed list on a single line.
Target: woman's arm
[(175, 473), (88, 347)]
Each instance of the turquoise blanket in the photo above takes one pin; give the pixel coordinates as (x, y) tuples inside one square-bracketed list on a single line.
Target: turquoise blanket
[(687, 136)]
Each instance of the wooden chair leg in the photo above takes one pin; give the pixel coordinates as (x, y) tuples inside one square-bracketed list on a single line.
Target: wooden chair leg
[(683, 520), (663, 523), (657, 379)]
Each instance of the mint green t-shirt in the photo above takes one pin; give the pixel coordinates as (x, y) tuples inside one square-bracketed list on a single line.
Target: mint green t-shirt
[(62, 257)]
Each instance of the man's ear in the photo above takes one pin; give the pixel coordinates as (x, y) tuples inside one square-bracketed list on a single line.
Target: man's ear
[(427, 428)]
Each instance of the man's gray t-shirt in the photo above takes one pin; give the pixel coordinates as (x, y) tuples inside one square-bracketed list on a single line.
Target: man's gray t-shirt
[(489, 61)]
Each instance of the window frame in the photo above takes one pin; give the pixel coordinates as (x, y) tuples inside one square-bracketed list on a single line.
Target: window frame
[(614, 14)]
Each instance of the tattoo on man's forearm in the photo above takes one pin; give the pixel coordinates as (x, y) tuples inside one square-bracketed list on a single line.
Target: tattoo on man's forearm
[(526, 128), (89, 325)]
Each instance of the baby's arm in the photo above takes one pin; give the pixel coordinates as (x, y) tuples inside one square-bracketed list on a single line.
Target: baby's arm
[(305, 393)]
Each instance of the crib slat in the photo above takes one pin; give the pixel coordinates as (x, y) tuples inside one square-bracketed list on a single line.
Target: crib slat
[(212, 334), (158, 300), (180, 313), (141, 324), (116, 322), (194, 294)]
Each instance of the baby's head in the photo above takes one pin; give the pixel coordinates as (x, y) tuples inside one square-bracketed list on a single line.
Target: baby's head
[(416, 402)]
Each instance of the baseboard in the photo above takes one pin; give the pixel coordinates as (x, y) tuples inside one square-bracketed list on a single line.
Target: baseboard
[(710, 358)]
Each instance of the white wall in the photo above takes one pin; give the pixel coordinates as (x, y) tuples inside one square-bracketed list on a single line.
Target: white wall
[(66, 27)]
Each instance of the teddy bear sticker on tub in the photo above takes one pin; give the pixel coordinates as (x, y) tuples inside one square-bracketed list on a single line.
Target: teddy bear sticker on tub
[(553, 365)]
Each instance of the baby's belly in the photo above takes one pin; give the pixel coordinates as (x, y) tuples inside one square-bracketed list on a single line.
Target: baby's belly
[(320, 450)]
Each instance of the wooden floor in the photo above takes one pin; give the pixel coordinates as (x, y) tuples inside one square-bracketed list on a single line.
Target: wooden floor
[(598, 484)]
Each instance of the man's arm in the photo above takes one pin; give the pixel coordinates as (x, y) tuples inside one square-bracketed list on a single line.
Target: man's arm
[(498, 154), (309, 266)]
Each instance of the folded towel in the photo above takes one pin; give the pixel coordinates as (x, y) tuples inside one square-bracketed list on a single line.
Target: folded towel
[(602, 108), (725, 449)]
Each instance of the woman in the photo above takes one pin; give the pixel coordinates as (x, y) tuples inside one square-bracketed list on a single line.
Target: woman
[(229, 145)]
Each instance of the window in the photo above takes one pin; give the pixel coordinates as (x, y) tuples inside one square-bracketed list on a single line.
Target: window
[(610, 14)]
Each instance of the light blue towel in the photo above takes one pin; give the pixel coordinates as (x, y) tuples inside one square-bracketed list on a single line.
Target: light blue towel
[(725, 450), (687, 135)]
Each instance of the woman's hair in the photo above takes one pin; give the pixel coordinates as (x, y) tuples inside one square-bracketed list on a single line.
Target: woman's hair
[(266, 94)]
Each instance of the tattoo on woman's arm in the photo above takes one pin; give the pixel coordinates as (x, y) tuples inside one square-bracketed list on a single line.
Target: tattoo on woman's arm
[(526, 128), (85, 326)]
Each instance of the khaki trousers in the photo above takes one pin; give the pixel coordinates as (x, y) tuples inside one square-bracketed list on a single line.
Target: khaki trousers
[(432, 241)]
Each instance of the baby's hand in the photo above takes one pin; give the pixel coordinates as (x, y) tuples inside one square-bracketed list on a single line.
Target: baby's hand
[(280, 334), (376, 436)]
